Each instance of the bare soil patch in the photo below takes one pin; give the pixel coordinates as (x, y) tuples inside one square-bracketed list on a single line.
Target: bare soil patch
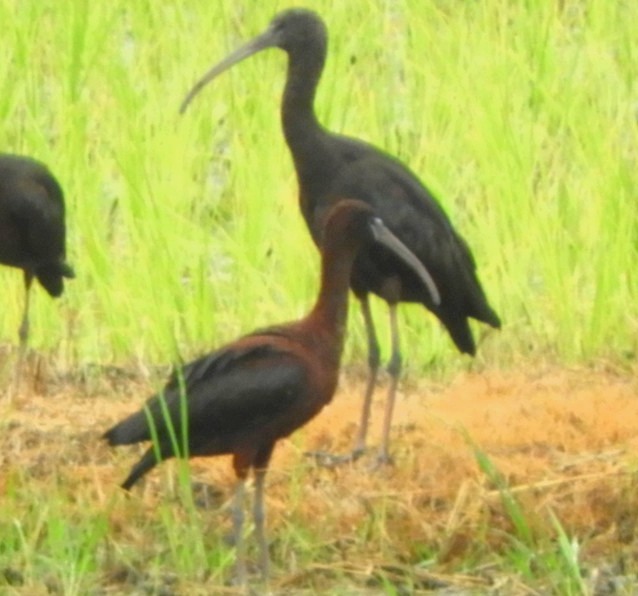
[(563, 440)]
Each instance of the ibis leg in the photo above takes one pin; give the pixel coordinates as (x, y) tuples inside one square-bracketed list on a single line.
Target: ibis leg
[(259, 515), (23, 331), (394, 370), (238, 524), (373, 366)]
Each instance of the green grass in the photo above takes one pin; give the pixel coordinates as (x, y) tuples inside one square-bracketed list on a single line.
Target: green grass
[(184, 231), (540, 558)]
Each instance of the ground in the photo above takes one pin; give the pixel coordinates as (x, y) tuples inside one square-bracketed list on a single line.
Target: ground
[(564, 442)]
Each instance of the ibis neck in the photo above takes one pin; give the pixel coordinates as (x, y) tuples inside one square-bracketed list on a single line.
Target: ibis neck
[(331, 308), (300, 125)]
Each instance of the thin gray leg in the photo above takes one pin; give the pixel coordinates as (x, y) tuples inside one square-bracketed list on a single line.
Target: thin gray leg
[(394, 370), (373, 365), (23, 331), (259, 514), (238, 523)]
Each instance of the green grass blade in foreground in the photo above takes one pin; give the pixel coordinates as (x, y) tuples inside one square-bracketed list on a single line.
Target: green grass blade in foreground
[(568, 554), (537, 556), (180, 448), (523, 531), (55, 545)]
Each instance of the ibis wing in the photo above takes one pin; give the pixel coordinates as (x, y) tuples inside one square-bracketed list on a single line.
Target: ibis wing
[(414, 215), (234, 389), (406, 206), (245, 392), (39, 216)]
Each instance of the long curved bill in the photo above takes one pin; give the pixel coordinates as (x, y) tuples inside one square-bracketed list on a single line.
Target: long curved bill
[(390, 241), (268, 39)]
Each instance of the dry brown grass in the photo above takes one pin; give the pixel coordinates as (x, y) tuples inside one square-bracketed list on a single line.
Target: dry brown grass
[(564, 440)]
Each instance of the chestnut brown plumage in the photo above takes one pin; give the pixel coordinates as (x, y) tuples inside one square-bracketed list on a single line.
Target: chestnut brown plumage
[(330, 166), (243, 397), (32, 228)]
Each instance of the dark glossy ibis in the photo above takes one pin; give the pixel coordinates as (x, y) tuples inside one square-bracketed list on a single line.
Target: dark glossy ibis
[(330, 166), (242, 398), (32, 230)]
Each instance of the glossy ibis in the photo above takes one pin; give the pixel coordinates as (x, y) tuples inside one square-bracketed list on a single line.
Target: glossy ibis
[(330, 166), (245, 396), (32, 230)]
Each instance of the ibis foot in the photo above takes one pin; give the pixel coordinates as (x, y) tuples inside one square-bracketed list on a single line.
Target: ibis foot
[(333, 460)]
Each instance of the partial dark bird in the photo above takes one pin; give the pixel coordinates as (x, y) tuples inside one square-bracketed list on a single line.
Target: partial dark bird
[(330, 166), (32, 229), (244, 397)]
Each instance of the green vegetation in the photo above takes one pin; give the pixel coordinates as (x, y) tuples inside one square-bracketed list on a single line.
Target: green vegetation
[(184, 231), (549, 559)]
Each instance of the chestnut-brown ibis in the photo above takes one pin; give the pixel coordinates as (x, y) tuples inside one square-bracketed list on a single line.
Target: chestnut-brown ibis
[(244, 397), (330, 166), (32, 228)]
